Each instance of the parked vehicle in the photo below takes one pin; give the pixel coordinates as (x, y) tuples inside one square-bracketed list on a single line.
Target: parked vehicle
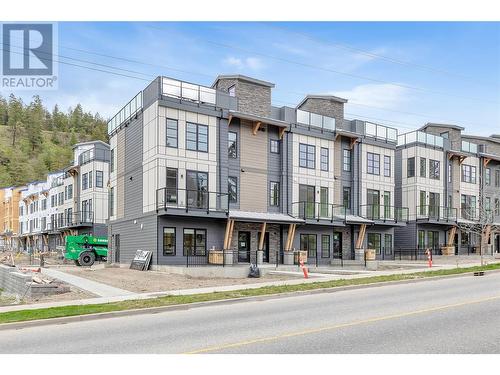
[(84, 250)]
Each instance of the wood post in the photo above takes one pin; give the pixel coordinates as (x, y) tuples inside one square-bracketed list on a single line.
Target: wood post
[(361, 236), (262, 236), (230, 238), (451, 236), (281, 132), (290, 236), (256, 127)]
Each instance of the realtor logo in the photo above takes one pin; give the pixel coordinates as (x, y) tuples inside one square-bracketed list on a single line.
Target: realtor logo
[(28, 56)]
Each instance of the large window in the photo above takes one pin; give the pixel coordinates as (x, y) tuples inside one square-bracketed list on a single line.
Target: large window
[(325, 246), (308, 243), (373, 162), (434, 169), (410, 167), (171, 186), (98, 179), (423, 167), (307, 199), (232, 145), (307, 156), (274, 145), (468, 173), (497, 178), (197, 186), (433, 239), (274, 194), (323, 202), (423, 202), (324, 159), (85, 181), (169, 241), (374, 240), (487, 176), (346, 160), (468, 206), (70, 192), (421, 239), (387, 166), (90, 179), (232, 189), (195, 242), (196, 137), (172, 133)]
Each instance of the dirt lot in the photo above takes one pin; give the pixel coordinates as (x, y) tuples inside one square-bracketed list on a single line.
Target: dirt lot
[(150, 281)]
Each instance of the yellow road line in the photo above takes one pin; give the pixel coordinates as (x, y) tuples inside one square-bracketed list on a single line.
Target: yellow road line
[(337, 326)]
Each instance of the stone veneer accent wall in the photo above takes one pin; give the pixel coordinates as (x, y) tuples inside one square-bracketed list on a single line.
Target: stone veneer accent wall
[(254, 229), (252, 98)]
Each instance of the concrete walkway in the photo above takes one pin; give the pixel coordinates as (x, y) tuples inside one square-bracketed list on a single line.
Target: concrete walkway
[(99, 289)]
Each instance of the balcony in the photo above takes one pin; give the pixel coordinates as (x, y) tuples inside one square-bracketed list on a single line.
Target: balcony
[(436, 214), (78, 219), (421, 137), (314, 120), (191, 202), (380, 213), (94, 154), (319, 212)]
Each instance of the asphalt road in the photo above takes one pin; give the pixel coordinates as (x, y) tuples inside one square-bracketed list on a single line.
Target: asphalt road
[(459, 315)]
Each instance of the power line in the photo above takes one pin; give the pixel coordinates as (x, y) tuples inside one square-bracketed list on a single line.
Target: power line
[(376, 55)]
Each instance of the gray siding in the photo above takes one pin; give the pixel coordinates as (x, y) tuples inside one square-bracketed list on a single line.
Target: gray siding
[(133, 168), (274, 165)]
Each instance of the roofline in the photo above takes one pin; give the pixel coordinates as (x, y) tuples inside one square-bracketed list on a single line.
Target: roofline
[(324, 97), (243, 78), (451, 126), (90, 143), (490, 138)]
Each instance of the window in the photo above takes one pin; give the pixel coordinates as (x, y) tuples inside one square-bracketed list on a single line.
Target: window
[(423, 167), (434, 172), (374, 242), (346, 160), (468, 173), (232, 90), (423, 201), (324, 159), (388, 244), (197, 189), (274, 146), (232, 145), (308, 243), (468, 206), (464, 238), (487, 176), (325, 246), (497, 178), (171, 186), (98, 179), (274, 194), (90, 179), (346, 197), (61, 198), (421, 239), (387, 166), (196, 137), (449, 172), (44, 203), (307, 156), (307, 199), (85, 181), (112, 201), (169, 241), (323, 202), (497, 207), (195, 242), (112, 160), (65, 192), (487, 205), (232, 189), (172, 133), (410, 167), (387, 204), (373, 163), (445, 135), (433, 239)]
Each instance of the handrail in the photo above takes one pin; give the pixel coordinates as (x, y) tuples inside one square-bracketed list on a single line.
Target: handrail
[(435, 213), (190, 199), (318, 211), (384, 212)]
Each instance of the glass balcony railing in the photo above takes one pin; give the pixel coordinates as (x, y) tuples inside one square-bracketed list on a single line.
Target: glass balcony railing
[(436, 213), (126, 113), (192, 200), (381, 132), (421, 137), (315, 120), (469, 147), (318, 211), (380, 212)]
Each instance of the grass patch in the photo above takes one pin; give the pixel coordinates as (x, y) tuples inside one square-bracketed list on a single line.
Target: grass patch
[(56, 312)]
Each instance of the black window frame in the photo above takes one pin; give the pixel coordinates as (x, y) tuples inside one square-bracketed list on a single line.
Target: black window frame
[(174, 243), (432, 170), (197, 137), (346, 160), (171, 192), (273, 200), (97, 184), (274, 146), (169, 122), (373, 163), (410, 167), (230, 143), (232, 196), (423, 167), (306, 156), (324, 159), (469, 173), (309, 250), (323, 237), (387, 166), (348, 201), (195, 232)]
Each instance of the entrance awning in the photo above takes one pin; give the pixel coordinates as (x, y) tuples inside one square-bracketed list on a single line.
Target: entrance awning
[(259, 217), (354, 219)]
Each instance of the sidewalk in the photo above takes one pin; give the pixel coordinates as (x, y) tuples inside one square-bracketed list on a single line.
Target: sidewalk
[(315, 277)]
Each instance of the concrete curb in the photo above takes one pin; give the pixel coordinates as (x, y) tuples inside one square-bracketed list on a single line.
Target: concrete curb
[(187, 306)]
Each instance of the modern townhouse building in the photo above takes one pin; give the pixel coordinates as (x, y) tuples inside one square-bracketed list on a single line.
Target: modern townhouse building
[(9, 216), (444, 177), (70, 202), (197, 168)]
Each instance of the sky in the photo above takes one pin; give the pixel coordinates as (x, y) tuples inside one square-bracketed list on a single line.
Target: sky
[(399, 74)]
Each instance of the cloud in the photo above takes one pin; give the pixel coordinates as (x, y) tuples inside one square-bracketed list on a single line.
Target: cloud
[(252, 63), (383, 95)]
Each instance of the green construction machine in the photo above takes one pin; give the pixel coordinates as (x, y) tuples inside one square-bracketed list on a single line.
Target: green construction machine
[(84, 250)]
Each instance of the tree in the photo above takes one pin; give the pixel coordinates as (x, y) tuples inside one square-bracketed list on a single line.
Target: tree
[(4, 107), (15, 117), (35, 123)]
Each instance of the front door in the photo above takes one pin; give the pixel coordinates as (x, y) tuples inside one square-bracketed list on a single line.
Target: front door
[(388, 252), (337, 245), (307, 201), (373, 204), (244, 247), (196, 189)]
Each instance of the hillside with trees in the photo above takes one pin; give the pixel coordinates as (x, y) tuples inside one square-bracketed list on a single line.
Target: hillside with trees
[(35, 140)]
